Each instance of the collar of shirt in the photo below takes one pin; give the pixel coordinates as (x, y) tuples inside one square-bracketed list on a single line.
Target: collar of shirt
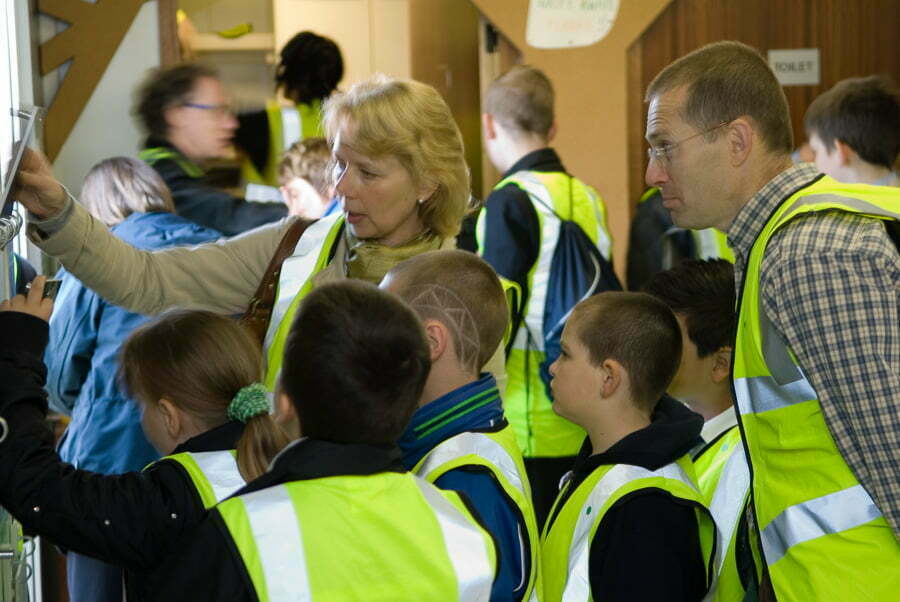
[(191, 168), (543, 159), (220, 438), (753, 216), (306, 459), (717, 425), (475, 406)]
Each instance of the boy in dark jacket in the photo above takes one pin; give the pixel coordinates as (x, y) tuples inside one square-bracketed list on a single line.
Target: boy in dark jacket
[(631, 501), (459, 438)]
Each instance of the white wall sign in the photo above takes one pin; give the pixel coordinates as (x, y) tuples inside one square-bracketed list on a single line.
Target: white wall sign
[(796, 67), (569, 23)]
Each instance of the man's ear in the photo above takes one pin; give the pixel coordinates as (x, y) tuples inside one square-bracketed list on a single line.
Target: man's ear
[(740, 135), (172, 418), (611, 378), (721, 369), (487, 123), (438, 338)]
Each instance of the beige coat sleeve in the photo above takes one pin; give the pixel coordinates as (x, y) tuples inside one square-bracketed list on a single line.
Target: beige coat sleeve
[(219, 276)]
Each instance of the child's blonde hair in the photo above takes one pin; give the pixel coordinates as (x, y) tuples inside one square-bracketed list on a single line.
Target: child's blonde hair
[(199, 361), (309, 159), (461, 290)]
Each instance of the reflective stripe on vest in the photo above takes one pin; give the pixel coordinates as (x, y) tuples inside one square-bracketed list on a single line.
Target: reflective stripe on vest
[(276, 531), (724, 479), (465, 546), (215, 474), (581, 515), (279, 542), (287, 125), (819, 527), (478, 444), (499, 453), (539, 431), (552, 191), (310, 256), (712, 244)]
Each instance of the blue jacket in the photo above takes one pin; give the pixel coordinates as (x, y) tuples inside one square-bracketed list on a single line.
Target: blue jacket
[(476, 406), (86, 333)]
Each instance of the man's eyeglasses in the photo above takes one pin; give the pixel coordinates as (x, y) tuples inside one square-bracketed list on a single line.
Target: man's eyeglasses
[(663, 154), (223, 110)]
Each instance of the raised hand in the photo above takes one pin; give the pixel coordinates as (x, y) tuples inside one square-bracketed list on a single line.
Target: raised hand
[(36, 188)]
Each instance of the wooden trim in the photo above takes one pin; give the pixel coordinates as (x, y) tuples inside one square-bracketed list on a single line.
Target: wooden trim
[(210, 42), (94, 35), (169, 50)]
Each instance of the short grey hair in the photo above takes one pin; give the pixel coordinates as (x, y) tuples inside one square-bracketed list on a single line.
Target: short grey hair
[(119, 186)]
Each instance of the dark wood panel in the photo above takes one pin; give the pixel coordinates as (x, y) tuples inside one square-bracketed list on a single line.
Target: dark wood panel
[(855, 37), (444, 53)]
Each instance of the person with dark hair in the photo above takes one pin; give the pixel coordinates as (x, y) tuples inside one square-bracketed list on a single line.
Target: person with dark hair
[(86, 334), (817, 279), (629, 522), (188, 120), (854, 130), (196, 376), (310, 69), (701, 293), (459, 438), (518, 230), (336, 516)]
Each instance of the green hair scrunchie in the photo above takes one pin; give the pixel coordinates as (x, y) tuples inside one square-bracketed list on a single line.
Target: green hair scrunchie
[(250, 401)]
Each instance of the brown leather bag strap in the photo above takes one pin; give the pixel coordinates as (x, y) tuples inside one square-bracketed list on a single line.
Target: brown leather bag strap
[(259, 311)]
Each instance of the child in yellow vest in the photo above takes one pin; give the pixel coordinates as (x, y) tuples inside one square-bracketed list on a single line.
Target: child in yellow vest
[(629, 522), (193, 373), (459, 438)]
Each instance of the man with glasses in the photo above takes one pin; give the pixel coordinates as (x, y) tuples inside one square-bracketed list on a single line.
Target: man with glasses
[(185, 111), (816, 372)]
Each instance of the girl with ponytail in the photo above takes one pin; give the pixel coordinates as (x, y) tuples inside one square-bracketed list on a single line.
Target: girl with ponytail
[(195, 375)]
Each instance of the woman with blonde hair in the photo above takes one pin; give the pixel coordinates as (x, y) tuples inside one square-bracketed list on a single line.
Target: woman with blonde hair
[(400, 177)]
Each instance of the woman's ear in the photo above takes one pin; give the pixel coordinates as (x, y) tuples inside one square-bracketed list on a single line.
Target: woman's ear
[(426, 190), (172, 418)]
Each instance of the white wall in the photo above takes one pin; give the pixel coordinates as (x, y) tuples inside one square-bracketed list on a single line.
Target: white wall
[(106, 127)]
